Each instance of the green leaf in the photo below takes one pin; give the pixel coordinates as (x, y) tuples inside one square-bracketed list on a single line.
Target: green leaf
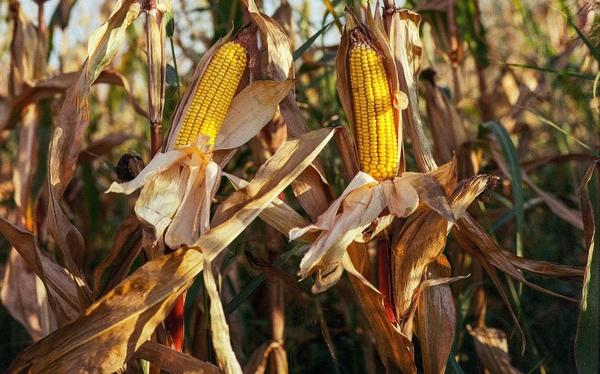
[(304, 47), (169, 24), (514, 168), (587, 341)]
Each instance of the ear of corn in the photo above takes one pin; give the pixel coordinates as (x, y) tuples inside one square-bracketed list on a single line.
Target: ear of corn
[(375, 130), (214, 94)]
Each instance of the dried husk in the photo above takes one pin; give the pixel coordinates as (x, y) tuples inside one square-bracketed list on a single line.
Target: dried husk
[(436, 319), (406, 48), (423, 238), (157, 62), (172, 361)]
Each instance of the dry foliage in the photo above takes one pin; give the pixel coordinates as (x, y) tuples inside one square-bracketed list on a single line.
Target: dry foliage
[(101, 264)]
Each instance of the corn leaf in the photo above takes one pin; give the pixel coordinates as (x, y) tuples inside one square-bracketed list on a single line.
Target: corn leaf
[(105, 337)]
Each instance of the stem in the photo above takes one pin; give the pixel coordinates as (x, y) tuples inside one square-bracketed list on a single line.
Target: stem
[(383, 278)]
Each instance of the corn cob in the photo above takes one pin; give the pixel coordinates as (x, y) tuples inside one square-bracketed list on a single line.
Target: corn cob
[(214, 94), (375, 129)]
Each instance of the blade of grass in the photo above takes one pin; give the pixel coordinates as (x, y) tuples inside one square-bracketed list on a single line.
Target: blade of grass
[(240, 298), (512, 160), (596, 80), (331, 9), (593, 50), (557, 127), (453, 366), (304, 47)]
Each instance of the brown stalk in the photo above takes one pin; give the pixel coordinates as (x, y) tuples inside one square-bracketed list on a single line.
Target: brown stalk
[(155, 41)]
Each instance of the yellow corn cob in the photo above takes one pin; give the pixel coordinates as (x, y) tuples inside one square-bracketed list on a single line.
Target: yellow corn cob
[(375, 129), (214, 94)]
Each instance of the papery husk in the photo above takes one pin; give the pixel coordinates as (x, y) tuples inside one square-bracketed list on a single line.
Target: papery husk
[(395, 350), (360, 205), (492, 350), (406, 48), (105, 337), (157, 65), (436, 319), (423, 238), (374, 29)]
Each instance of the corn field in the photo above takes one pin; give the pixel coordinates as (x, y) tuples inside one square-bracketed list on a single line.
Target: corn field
[(300, 186)]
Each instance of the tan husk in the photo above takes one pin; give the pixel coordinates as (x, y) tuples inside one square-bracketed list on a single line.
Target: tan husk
[(406, 48), (436, 319), (423, 238)]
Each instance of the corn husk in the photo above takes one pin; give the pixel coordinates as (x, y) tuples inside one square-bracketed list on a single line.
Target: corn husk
[(373, 28)]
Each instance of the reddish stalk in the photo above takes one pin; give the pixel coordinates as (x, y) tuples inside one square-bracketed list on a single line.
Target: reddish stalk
[(174, 324), (383, 278)]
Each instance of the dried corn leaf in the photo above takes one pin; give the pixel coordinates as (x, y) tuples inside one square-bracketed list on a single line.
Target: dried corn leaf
[(278, 214), (104, 338), (102, 146), (510, 263), (59, 283), (308, 188), (422, 239), (260, 357), (22, 292), (218, 325), (436, 319), (72, 122), (492, 350), (24, 296), (559, 208), (42, 89), (172, 361), (126, 247)]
